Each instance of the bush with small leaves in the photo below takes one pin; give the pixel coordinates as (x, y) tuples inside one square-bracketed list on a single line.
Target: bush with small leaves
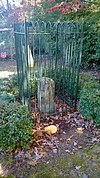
[(15, 126), (89, 102)]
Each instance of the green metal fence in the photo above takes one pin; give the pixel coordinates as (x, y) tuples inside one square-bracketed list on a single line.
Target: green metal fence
[(48, 59)]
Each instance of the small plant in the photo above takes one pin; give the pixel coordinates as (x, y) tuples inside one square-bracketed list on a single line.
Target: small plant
[(34, 86), (15, 126), (9, 85), (89, 103), (6, 98)]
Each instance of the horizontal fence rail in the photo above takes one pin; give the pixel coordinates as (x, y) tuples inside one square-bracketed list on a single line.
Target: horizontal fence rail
[(48, 59)]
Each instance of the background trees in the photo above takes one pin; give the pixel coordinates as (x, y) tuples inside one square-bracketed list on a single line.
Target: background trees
[(58, 10)]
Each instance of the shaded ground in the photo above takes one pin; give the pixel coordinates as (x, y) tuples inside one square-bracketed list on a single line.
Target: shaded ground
[(72, 152), (94, 71)]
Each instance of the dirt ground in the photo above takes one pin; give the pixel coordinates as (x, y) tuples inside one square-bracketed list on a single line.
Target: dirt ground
[(72, 152)]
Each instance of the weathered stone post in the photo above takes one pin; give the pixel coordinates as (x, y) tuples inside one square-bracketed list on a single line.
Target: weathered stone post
[(46, 92)]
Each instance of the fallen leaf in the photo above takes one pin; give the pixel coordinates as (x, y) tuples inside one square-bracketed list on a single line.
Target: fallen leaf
[(37, 133), (41, 153), (60, 109), (67, 151), (18, 149), (95, 140), (79, 147), (28, 155), (75, 143), (9, 150), (54, 150), (79, 130), (70, 138), (51, 129), (32, 162), (78, 167), (37, 154), (73, 110), (19, 154), (98, 166)]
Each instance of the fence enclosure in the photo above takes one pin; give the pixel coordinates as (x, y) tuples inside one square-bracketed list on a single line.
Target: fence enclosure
[(48, 59)]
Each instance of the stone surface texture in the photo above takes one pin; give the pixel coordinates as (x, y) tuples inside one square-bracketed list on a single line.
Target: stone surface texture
[(46, 92)]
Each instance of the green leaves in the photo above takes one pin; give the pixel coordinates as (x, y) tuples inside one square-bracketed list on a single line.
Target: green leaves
[(15, 123), (15, 126), (89, 103)]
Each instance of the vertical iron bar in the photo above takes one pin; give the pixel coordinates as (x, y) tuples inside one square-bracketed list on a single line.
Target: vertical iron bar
[(26, 99), (80, 54)]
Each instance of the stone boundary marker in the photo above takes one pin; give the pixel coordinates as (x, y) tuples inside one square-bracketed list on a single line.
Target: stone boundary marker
[(46, 93)]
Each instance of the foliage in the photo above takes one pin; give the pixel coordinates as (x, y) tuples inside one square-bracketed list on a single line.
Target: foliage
[(56, 10), (15, 126), (89, 102), (91, 14), (90, 56), (9, 86), (6, 98), (91, 39), (34, 86), (67, 6), (40, 9), (74, 10)]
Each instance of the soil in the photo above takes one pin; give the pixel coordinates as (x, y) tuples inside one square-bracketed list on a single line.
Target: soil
[(72, 152), (93, 71)]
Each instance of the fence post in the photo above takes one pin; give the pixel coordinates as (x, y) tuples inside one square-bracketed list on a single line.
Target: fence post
[(26, 77), (78, 71)]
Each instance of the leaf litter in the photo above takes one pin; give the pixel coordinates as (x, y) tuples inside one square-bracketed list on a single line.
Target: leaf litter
[(72, 132)]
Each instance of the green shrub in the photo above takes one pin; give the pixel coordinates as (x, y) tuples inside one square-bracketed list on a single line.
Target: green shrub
[(15, 126), (90, 51), (84, 78), (9, 85), (6, 98), (89, 102)]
